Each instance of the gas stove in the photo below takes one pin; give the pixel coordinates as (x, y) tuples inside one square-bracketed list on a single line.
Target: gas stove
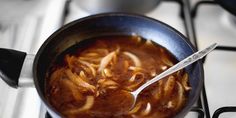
[(203, 22)]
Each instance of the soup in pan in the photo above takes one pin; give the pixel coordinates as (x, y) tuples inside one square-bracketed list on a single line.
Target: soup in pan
[(93, 78)]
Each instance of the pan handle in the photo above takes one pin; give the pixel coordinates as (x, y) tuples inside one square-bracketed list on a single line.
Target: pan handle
[(14, 65), (26, 75)]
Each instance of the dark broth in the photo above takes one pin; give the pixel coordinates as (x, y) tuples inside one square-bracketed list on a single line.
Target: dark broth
[(92, 80)]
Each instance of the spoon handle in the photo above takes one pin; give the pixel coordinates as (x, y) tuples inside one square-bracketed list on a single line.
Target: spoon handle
[(187, 61)]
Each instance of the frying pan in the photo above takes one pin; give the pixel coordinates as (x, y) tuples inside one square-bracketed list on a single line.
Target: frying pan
[(102, 25), (229, 5)]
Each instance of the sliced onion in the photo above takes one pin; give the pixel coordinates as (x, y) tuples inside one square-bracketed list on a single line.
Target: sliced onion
[(89, 66), (101, 81), (101, 51), (136, 108), (134, 116), (106, 82), (107, 72), (115, 57), (83, 76), (88, 105), (95, 65), (179, 73), (75, 92), (70, 60), (135, 59), (136, 37), (158, 93), (112, 87), (117, 49), (169, 86), (153, 73), (86, 69), (170, 105), (126, 65), (97, 93), (166, 61), (91, 54), (110, 83), (147, 110), (78, 81), (106, 60), (185, 82), (95, 60), (134, 85), (149, 42), (180, 96), (58, 74), (135, 68), (164, 68), (134, 76)]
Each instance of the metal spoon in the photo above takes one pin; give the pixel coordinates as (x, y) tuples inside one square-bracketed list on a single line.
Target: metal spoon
[(187, 61)]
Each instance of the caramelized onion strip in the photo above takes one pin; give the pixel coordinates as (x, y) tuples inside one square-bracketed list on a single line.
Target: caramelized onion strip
[(126, 65), (170, 105), (184, 82), (149, 43), (106, 83), (70, 60), (88, 105), (73, 88), (135, 68), (166, 61), (101, 51), (135, 84), (107, 73), (78, 81), (95, 66), (106, 60), (135, 75), (169, 86), (153, 73), (158, 92), (89, 66), (147, 110), (112, 87), (115, 57), (136, 108), (180, 96), (83, 76), (133, 57), (95, 60), (58, 74), (91, 54)]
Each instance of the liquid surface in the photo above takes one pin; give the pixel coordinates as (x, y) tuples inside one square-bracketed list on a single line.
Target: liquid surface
[(93, 80)]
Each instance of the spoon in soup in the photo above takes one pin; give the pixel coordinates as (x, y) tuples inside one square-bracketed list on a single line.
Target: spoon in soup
[(185, 62)]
